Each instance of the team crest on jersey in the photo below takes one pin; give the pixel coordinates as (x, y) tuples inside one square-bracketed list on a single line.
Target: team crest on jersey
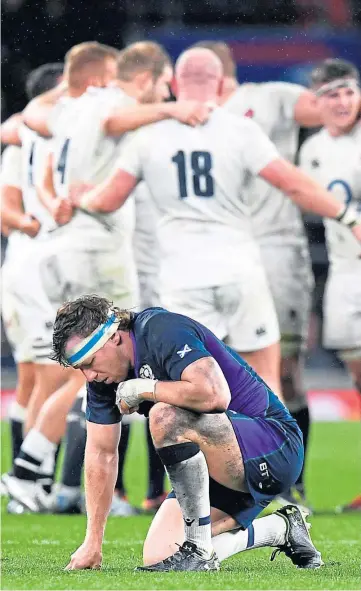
[(146, 372), (249, 113)]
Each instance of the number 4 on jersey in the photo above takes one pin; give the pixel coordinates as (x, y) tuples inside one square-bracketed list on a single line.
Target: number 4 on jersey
[(201, 165), (62, 160)]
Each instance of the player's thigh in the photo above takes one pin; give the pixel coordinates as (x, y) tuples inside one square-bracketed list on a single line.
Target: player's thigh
[(248, 311), (16, 334), (213, 433), (290, 278), (167, 531), (342, 309), (198, 304)]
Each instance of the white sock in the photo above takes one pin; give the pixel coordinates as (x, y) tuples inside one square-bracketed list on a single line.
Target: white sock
[(38, 446), (266, 531), (17, 412), (190, 481)]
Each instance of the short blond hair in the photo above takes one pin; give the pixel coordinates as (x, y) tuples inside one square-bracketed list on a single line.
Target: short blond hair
[(80, 57), (144, 56), (224, 53)]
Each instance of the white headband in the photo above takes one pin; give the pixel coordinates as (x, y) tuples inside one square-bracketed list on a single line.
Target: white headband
[(91, 344), (339, 83)]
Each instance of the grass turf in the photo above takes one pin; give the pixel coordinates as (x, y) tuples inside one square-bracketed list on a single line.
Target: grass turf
[(35, 548)]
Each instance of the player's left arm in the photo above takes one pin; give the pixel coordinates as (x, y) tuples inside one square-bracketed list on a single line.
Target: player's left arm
[(60, 209), (196, 380), (10, 130), (202, 388), (127, 119), (307, 111), (263, 160), (115, 190), (13, 216)]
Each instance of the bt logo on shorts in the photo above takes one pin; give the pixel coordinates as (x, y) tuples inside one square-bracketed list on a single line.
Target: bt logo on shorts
[(264, 470), (183, 351)]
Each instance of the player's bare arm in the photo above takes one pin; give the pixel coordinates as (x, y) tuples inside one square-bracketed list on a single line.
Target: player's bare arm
[(101, 465), (308, 194), (10, 130), (107, 196), (13, 216), (60, 209), (307, 110), (131, 118), (36, 114), (202, 388)]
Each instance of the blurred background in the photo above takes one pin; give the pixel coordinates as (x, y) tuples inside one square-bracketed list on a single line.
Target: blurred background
[(270, 39)]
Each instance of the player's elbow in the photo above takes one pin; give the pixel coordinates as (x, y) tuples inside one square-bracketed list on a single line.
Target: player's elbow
[(216, 401)]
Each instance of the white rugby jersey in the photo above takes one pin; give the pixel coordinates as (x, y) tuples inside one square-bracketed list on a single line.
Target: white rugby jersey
[(335, 162), (11, 175), (145, 242), (33, 155), (84, 154), (196, 177), (272, 105)]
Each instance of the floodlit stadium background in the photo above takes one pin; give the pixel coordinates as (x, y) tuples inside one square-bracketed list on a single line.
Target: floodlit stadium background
[(270, 39)]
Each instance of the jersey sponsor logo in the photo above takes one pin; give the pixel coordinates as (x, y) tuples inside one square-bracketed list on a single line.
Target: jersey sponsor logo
[(184, 351), (146, 372)]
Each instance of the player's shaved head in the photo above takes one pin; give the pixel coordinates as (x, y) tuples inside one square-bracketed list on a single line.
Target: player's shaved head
[(198, 65), (199, 74), (224, 53)]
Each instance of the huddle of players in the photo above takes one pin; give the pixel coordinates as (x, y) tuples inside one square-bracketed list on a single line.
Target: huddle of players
[(69, 251)]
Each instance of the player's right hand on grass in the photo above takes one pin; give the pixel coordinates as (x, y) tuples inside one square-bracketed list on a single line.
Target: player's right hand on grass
[(62, 210), (86, 556), (191, 112)]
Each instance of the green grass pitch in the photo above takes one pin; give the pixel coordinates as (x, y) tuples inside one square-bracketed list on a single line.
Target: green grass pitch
[(35, 548)]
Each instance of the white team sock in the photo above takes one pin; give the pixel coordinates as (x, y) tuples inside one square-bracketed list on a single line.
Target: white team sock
[(190, 481), (17, 412), (37, 445), (266, 531)]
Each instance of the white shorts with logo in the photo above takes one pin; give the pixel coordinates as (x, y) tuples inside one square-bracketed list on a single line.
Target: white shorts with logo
[(240, 313), (15, 330), (61, 273), (342, 308), (289, 273)]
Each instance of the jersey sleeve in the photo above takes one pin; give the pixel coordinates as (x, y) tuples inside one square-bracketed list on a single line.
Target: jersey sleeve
[(284, 96), (101, 407), (176, 343), (130, 158), (11, 167), (257, 151)]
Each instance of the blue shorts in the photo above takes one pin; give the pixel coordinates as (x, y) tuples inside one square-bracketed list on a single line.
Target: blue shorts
[(267, 474)]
